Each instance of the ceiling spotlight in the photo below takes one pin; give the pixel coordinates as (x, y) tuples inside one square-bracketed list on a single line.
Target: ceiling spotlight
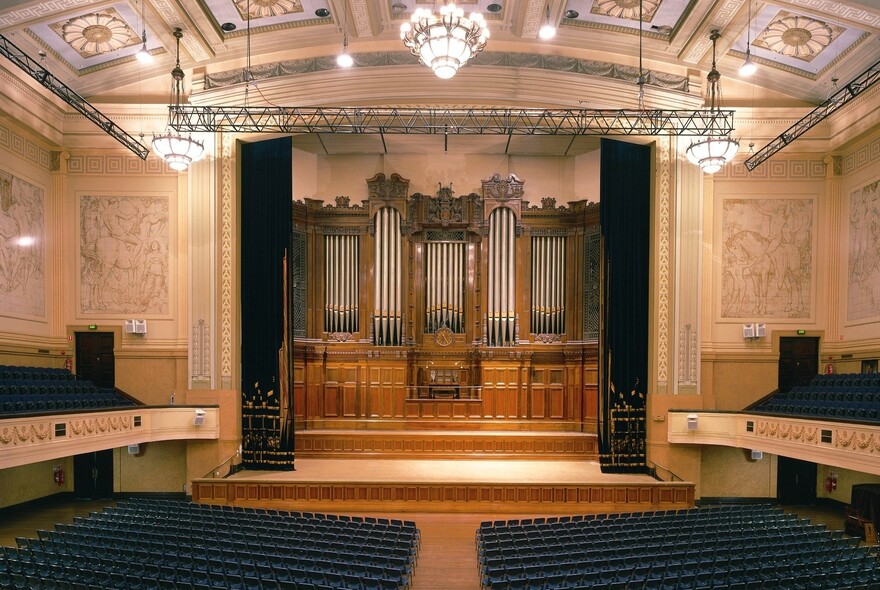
[(494, 8), (662, 29), (571, 14), (322, 13), (548, 29), (227, 27), (398, 8), (748, 67)]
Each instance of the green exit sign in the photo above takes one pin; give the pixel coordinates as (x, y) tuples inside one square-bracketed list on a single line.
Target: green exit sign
[(801, 332), (93, 326)]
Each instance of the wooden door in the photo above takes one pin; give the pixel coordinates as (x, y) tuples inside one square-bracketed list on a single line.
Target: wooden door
[(795, 481), (93, 475), (94, 358), (798, 361)]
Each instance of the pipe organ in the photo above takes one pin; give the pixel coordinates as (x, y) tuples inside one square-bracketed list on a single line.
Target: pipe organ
[(387, 310), (443, 307)]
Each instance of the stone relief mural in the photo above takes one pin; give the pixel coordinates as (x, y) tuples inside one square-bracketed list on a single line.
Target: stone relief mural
[(767, 258), (863, 267), (22, 279), (124, 255)]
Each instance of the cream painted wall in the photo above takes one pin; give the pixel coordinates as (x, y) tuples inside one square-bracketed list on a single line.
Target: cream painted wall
[(846, 479), (564, 179), (29, 482), (731, 473), (158, 467)]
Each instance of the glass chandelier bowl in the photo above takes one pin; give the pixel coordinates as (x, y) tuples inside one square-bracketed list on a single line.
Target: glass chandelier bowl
[(445, 41)]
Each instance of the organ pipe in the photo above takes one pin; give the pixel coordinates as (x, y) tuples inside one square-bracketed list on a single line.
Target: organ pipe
[(548, 285), (340, 283), (387, 312), (501, 310), (444, 286)]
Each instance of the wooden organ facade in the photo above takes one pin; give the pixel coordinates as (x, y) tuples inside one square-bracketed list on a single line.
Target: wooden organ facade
[(414, 311)]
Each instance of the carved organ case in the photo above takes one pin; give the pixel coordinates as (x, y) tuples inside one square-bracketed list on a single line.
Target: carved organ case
[(447, 306)]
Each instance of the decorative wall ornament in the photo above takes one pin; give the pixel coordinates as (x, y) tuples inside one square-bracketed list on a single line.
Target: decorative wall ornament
[(26, 433), (97, 33), (767, 258), (553, 63), (395, 187), (340, 337), (444, 208), (628, 9), (664, 199), (22, 257), (502, 189), (548, 338), (227, 205), (863, 263), (256, 9), (797, 36), (201, 351), (124, 255)]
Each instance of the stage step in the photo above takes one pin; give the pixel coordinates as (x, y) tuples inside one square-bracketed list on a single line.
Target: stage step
[(428, 444)]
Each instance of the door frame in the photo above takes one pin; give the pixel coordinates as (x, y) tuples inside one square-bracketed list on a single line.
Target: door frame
[(72, 329)]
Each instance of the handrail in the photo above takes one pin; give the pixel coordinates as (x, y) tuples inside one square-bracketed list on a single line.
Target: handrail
[(215, 472), (654, 466)]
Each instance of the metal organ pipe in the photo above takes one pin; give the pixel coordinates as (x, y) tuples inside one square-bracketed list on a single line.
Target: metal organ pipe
[(501, 304), (387, 324), (340, 283), (548, 284)]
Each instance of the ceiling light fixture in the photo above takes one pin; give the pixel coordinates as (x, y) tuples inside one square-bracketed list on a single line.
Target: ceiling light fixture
[(344, 60), (177, 150), (717, 148), (143, 55), (445, 41), (548, 29), (748, 67)]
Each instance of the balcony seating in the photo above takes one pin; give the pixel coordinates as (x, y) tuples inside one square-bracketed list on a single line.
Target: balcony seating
[(30, 390), (853, 397), (740, 547), (169, 544)]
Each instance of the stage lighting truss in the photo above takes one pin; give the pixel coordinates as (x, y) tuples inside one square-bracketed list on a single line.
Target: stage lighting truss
[(428, 121)]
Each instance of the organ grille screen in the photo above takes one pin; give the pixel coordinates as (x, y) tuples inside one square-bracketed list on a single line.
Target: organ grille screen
[(591, 286), (341, 284), (548, 285), (298, 283)]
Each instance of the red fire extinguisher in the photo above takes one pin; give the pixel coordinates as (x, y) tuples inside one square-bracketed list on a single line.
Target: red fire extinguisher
[(829, 369), (68, 364), (831, 482), (58, 475)]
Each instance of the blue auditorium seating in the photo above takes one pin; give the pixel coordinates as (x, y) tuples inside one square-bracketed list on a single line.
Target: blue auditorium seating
[(28, 390), (853, 397), (158, 543), (714, 547)]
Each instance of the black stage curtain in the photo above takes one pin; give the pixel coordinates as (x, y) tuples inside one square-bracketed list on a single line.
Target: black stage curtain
[(624, 217), (266, 190)]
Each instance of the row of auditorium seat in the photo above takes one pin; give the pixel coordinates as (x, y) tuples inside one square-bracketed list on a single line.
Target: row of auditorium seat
[(29, 390), (167, 544), (852, 397), (740, 547), (10, 372)]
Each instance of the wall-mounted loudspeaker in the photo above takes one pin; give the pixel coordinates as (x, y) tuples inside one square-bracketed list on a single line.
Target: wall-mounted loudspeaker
[(136, 327), (134, 449), (757, 455)]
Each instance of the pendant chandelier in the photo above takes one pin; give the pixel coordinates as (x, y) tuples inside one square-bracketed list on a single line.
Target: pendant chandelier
[(716, 149), (445, 41), (177, 150)]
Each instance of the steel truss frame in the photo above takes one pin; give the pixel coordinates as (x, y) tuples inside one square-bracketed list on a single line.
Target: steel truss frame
[(36, 71), (836, 101), (437, 121)]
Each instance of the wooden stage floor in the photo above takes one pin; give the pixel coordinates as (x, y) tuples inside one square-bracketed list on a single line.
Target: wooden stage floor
[(438, 485)]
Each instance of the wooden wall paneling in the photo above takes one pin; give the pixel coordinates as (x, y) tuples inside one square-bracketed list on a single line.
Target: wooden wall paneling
[(556, 402), (350, 398), (331, 400)]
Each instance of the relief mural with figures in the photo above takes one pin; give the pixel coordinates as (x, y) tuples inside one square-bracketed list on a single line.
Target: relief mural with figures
[(22, 276), (124, 255), (767, 258), (863, 269)]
